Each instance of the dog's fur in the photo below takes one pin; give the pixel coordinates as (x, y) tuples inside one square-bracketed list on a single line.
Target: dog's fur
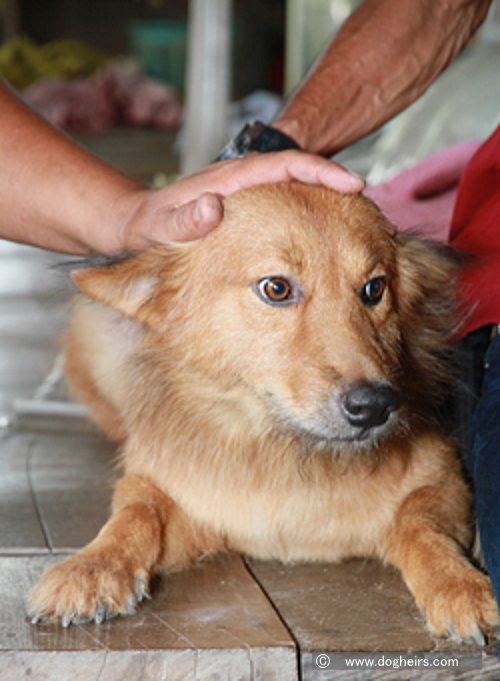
[(230, 409)]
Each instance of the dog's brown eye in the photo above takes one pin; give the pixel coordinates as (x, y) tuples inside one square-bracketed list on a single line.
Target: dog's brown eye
[(275, 290), (373, 291)]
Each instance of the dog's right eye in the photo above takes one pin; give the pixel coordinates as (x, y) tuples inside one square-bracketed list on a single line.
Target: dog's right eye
[(373, 291), (275, 291)]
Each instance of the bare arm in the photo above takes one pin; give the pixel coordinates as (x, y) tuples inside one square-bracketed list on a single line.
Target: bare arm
[(56, 195), (384, 57), (52, 192)]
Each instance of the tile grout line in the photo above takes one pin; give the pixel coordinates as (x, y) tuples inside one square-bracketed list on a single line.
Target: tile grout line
[(36, 505), (296, 643)]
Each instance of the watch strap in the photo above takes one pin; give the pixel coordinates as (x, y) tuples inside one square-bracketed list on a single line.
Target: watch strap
[(259, 137)]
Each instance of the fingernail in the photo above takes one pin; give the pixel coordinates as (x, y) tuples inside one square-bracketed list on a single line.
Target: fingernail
[(356, 182), (356, 179), (206, 208), (197, 211), (346, 178)]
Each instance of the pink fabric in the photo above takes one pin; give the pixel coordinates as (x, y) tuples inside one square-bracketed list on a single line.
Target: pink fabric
[(423, 197)]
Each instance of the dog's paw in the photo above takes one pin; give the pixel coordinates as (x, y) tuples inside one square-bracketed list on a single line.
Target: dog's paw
[(91, 586), (462, 608)]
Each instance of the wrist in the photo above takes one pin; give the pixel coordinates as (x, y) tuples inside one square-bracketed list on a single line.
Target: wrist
[(314, 137), (294, 129), (129, 209)]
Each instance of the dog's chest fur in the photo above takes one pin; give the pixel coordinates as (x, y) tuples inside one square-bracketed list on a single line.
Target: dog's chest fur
[(323, 509)]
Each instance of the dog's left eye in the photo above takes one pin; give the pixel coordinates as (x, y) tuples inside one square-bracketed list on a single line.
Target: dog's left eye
[(373, 291), (275, 290)]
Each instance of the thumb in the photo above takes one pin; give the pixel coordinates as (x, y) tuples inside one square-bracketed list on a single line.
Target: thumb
[(191, 220)]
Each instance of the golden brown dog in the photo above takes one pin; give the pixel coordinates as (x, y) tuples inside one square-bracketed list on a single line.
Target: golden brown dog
[(273, 385)]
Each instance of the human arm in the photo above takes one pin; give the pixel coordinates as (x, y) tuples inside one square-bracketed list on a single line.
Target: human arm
[(56, 195), (383, 58)]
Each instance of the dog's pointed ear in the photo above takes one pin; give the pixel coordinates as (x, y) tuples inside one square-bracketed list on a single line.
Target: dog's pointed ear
[(139, 286)]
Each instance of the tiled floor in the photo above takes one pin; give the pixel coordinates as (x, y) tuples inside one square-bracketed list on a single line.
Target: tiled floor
[(224, 619)]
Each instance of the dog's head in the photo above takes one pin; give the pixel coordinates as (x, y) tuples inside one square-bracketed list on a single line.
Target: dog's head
[(304, 305)]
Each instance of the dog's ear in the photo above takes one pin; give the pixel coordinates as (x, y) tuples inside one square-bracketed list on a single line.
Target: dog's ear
[(139, 286), (426, 298), (427, 274)]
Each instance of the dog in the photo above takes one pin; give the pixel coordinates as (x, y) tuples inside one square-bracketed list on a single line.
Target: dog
[(274, 388)]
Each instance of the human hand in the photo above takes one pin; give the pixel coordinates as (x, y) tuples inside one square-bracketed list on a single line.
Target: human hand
[(193, 205), (79, 204)]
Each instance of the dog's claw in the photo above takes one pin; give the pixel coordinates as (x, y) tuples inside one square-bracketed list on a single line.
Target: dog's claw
[(101, 614), (141, 589), (478, 638), (66, 620), (454, 635), (39, 619)]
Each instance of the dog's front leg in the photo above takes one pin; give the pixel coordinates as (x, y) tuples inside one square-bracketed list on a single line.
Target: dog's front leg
[(426, 543), (111, 575)]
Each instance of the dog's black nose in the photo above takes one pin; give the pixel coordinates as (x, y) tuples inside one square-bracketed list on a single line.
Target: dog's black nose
[(367, 405)]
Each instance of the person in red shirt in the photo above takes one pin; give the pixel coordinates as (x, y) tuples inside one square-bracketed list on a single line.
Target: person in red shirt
[(475, 229)]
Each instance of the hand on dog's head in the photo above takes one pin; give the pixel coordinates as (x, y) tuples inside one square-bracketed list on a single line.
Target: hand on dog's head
[(304, 305)]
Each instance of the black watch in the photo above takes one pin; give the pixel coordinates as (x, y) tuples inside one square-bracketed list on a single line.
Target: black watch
[(257, 137)]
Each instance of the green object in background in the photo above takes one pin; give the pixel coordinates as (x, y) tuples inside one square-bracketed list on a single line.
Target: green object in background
[(159, 46), (23, 62)]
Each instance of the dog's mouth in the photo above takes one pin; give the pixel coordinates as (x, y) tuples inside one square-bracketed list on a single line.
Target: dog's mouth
[(341, 436), (360, 417)]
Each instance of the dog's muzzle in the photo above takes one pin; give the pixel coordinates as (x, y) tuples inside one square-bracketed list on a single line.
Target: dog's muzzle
[(368, 405)]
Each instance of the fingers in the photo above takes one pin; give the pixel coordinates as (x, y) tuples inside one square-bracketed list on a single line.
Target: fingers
[(227, 177), (192, 206), (296, 165), (188, 221)]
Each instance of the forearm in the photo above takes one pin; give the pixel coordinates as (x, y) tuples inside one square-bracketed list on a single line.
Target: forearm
[(53, 193), (56, 195), (384, 57)]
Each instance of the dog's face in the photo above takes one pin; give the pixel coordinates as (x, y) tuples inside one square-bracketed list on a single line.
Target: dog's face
[(300, 304)]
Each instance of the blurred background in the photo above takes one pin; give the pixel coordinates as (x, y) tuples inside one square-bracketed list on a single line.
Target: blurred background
[(158, 86)]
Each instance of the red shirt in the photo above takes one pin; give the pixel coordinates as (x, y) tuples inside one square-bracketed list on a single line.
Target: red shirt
[(475, 229)]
